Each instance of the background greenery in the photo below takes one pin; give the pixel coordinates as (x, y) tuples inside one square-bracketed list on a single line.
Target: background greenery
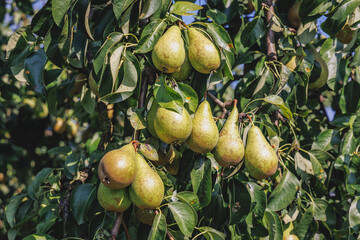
[(48, 175)]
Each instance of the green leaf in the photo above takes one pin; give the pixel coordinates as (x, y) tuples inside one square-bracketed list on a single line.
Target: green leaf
[(310, 10), (80, 201), (344, 9), (320, 206), (150, 6), (34, 69), (254, 31), (12, 207), (278, 101), (35, 185), (183, 8), (71, 165), (274, 225), (239, 201), (137, 120), (354, 214), (119, 7), (258, 196), (184, 217), (302, 227), (349, 143), (88, 101), (158, 229), (221, 36), (284, 193), (190, 198), (99, 58), (201, 180), (188, 95), (149, 151), (167, 97), (150, 35), (38, 236), (59, 9), (211, 233), (325, 140), (59, 150)]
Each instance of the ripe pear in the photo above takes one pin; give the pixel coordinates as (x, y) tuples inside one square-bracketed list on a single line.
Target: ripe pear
[(230, 148), (117, 168), (117, 200), (60, 125), (290, 237), (261, 160), (320, 73), (151, 117), (204, 135), (147, 190), (169, 52), (203, 54), (145, 216), (172, 127), (293, 15), (185, 70)]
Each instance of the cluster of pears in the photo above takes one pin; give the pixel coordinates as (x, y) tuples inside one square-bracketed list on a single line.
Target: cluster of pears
[(201, 135), (127, 178), (170, 56)]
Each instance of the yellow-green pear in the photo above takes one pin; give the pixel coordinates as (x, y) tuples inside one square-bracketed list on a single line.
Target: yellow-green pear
[(261, 160), (151, 117), (185, 70), (117, 168), (320, 73), (229, 150), (147, 190), (204, 135), (117, 200), (293, 15), (145, 216), (169, 52), (204, 56), (172, 127)]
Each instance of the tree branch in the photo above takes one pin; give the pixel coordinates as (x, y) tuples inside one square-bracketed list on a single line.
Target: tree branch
[(270, 40), (223, 105), (116, 227)]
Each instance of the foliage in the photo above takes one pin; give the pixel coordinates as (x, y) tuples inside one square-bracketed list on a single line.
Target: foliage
[(107, 46)]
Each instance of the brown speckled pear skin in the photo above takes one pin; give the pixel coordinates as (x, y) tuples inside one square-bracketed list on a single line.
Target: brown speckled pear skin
[(151, 117), (172, 127), (169, 52), (205, 134), (185, 70), (147, 190), (261, 160), (117, 200), (229, 150), (117, 168), (204, 56)]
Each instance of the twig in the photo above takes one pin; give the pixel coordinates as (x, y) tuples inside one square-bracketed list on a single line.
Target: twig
[(223, 105), (148, 77), (169, 236), (116, 227), (126, 231), (270, 40)]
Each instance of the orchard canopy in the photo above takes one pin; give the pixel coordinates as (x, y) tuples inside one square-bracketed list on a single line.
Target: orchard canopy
[(229, 119)]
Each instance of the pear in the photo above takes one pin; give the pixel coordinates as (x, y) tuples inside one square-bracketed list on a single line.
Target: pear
[(147, 190), (185, 70), (287, 234), (117, 168), (145, 216), (205, 134), (169, 52), (203, 54), (172, 127), (261, 160), (230, 148), (293, 15), (320, 73), (151, 117), (117, 200), (290, 237)]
